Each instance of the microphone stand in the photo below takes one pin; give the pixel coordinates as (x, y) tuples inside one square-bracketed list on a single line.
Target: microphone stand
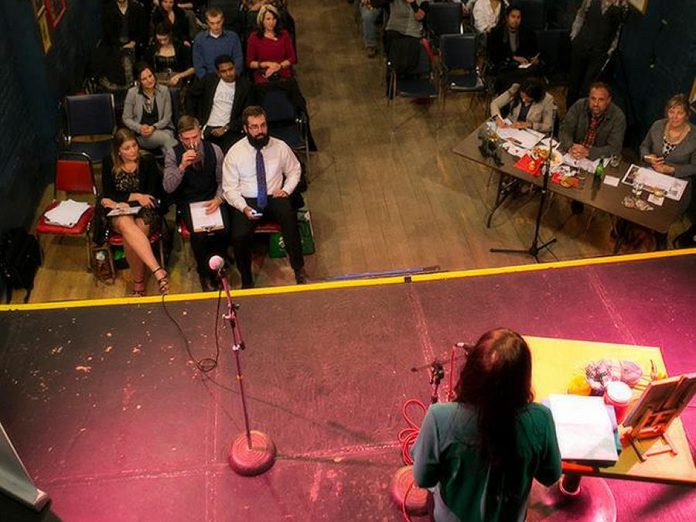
[(535, 247), (252, 452)]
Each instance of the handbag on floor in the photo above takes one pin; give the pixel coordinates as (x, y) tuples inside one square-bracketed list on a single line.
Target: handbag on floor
[(20, 257)]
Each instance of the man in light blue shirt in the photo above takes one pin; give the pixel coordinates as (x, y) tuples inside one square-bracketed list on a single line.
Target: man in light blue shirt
[(214, 42)]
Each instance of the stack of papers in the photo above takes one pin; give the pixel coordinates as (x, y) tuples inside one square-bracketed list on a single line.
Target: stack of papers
[(524, 138), (66, 213), (583, 428), (653, 181)]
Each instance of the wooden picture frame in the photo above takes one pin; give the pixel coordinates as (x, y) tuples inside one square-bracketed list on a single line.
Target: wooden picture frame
[(639, 5), (44, 32), (55, 10), (39, 7), (692, 97)]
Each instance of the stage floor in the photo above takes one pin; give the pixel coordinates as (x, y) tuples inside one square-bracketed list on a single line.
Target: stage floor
[(114, 421)]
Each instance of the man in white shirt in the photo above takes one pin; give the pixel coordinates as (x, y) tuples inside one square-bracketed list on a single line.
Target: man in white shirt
[(258, 176), (218, 100)]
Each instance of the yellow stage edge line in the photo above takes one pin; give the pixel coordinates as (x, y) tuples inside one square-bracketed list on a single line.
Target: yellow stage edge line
[(354, 283)]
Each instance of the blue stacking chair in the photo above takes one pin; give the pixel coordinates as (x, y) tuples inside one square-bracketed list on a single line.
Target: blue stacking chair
[(459, 64), (285, 122), (443, 18), (90, 122)]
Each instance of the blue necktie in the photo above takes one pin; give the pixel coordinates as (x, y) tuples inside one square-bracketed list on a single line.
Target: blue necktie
[(262, 196)]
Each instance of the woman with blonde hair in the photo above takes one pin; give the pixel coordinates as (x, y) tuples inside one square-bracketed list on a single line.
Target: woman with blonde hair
[(130, 179)]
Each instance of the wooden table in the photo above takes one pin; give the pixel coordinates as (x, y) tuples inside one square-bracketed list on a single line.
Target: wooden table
[(554, 361), (585, 495), (602, 197)]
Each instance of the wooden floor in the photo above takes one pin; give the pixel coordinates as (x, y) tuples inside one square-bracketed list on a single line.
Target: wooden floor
[(386, 192)]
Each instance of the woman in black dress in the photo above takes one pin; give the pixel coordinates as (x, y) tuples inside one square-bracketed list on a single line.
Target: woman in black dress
[(129, 180)]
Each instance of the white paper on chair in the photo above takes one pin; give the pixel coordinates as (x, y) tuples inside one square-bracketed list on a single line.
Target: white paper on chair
[(66, 213), (204, 222), (123, 211), (583, 428)]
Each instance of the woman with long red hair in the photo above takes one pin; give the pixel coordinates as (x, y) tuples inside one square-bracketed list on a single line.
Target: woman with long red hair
[(481, 452)]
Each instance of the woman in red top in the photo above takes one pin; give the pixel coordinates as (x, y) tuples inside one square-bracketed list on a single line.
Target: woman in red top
[(270, 53)]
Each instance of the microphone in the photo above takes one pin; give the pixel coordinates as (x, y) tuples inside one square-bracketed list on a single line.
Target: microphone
[(217, 264)]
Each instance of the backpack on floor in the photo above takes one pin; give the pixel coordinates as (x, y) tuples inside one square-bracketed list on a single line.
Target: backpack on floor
[(20, 257)]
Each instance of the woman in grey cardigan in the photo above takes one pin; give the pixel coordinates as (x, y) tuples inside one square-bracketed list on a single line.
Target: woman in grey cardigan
[(670, 145), (147, 111), (670, 148), (530, 106)]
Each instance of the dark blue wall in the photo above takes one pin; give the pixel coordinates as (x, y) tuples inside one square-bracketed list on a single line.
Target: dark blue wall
[(31, 86), (657, 59)]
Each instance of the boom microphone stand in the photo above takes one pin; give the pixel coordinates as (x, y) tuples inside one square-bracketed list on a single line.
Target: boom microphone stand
[(535, 247), (252, 452)]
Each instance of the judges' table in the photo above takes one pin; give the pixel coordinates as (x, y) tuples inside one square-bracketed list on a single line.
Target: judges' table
[(602, 197), (554, 361)]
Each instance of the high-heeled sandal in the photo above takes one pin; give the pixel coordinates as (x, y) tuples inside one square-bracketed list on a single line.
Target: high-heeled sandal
[(163, 282), (138, 288)]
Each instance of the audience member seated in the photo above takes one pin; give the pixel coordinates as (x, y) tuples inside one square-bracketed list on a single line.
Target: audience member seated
[(258, 176), (486, 14), (482, 451), (593, 127), (405, 21), (169, 11), (218, 101), (251, 14), (512, 50), (370, 11), (270, 53), (193, 174), (125, 33), (670, 148), (528, 106), (594, 36), (130, 179), (170, 58), (214, 42), (147, 111)]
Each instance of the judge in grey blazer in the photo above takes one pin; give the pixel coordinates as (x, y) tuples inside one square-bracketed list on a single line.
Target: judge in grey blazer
[(529, 106), (670, 145), (147, 111)]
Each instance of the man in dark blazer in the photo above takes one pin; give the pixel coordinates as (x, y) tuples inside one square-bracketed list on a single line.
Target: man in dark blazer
[(217, 101), (512, 50)]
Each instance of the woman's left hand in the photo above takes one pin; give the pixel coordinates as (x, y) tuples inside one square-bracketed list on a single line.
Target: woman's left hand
[(273, 67), (174, 80), (145, 200)]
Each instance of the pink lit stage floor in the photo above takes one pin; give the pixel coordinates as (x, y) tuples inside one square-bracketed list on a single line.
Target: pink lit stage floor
[(114, 422)]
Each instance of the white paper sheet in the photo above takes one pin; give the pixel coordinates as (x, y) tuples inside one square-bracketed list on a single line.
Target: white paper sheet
[(583, 428), (203, 222), (524, 138), (582, 164), (123, 211), (67, 213), (672, 187), (612, 181)]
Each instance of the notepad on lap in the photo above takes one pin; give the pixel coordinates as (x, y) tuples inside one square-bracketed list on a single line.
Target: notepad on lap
[(204, 222), (583, 428)]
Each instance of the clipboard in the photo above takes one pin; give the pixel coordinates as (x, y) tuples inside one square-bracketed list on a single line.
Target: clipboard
[(203, 222)]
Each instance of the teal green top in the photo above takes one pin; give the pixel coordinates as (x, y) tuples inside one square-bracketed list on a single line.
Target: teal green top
[(446, 456)]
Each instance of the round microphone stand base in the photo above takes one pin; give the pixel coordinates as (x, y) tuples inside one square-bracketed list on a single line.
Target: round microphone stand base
[(255, 460), (407, 495)]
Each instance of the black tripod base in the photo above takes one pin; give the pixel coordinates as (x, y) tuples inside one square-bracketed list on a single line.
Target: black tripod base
[(532, 251)]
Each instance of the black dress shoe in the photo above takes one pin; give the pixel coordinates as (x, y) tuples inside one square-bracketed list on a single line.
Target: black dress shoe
[(301, 276)]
